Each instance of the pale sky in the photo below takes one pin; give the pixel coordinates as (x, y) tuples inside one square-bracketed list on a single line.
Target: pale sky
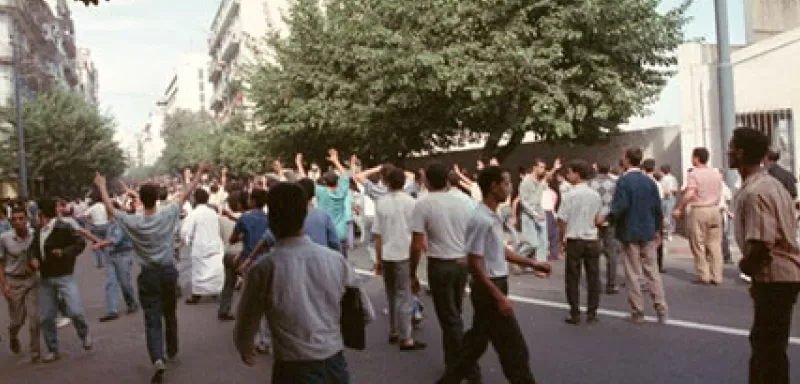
[(136, 43)]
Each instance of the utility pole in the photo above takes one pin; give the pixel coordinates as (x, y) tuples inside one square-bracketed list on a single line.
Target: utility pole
[(727, 111), (23, 167)]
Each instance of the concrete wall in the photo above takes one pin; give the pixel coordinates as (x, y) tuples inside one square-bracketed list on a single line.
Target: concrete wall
[(767, 18), (662, 144)]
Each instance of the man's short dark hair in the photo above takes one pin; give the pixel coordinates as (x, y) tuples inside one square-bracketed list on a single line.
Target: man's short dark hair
[(385, 170), (701, 154), (665, 168), (454, 179), (773, 155), (259, 197), (200, 196), (287, 209), (582, 168), (330, 178), (603, 168), (309, 188), (148, 194), (163, 193), (47, 207), (396, 179), (634, 156), (753, 143), (18, 209), (649, 165), (436, 173), (489, 176)]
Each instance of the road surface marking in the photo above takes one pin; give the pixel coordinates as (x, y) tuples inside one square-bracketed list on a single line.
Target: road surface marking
[(620, 314)]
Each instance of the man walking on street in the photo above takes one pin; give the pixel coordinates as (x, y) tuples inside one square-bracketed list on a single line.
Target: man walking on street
[(438, 227), (765, 231), (19, 282), (299, 288), (119, 264), (152, 237), (54, 249), (636, 213), (494, 319), (532, 216), (604, 185), (703, 194), (578, 216)]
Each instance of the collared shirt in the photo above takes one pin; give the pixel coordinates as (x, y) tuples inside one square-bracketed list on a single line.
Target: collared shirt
[(765, 212), (299, 288), (785, 177), (442, 218), (604, 185), (393, 223), (580, 208), (97, 212), (119, 240), (636, 208), (13, 253), (706, 182), (252, 225), (530, 196), (484, 237)]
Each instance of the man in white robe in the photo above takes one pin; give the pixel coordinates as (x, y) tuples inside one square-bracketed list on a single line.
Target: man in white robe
[(200, 232)]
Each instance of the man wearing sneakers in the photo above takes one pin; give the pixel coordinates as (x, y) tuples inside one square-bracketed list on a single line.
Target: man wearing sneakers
[(53, 251), (152, 237)]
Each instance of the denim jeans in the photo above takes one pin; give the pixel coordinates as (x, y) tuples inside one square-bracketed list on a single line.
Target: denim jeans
[(667, 206), (49, 289), (535, 233), (157, 287), (226, 296), (332, 370), (101, 232), (118, 275)]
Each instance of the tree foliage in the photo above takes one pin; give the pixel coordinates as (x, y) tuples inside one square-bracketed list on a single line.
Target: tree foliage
[(66, 142), (388, 78)]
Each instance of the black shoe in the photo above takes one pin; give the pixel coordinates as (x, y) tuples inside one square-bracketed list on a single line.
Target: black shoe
[(574, 320), (15, 345), (612, 291), (226, 317), (132, 310), (393, 339), (109, 317), (592, 318), (192, 300)]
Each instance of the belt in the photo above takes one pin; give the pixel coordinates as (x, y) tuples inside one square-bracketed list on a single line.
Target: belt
[(704, 206), (442, 260), (583, 240)]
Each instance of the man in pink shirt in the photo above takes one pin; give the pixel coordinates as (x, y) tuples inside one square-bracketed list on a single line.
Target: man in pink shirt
[(703, 194)]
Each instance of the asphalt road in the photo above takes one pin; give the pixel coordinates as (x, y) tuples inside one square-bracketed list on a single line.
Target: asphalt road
[(705, 342)]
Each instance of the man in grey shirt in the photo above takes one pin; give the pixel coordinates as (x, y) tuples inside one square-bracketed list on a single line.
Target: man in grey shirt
[(578, 215), (604, 184), (152, 237), (533, 221), (299, 287)]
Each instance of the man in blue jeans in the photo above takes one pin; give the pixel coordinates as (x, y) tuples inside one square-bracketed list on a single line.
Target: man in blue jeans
[(152, 237), (53, 251), (118, 271)]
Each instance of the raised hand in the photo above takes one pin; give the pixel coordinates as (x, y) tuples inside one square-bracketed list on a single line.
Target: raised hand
[(333, 155), (99, 180)]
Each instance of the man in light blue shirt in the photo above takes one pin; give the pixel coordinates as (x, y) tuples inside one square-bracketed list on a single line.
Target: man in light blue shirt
[(332, 197)]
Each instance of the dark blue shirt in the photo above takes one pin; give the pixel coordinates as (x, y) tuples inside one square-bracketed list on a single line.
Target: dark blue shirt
[(318, 226), (636, 208), (119, 240), (252, 225)]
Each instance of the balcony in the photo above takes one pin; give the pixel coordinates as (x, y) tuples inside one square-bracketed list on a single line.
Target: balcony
[(230, 45), (71, 73), (215, 69), (227, 12)]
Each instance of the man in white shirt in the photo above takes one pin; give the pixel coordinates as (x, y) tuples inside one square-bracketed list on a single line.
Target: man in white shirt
[(438, 226), (494, 318), (392, 232), (98, 220), (669, 184)]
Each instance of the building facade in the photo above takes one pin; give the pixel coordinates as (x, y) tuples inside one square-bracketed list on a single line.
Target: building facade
[(237, 30), (87, 77), (768, 18)]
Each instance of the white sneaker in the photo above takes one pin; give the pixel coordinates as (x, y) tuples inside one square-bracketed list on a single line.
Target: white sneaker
[(62, 322), (159, 366), (87, 343), (745, 278), (50, 357)]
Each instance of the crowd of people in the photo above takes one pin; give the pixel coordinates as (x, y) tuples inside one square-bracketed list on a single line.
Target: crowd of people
[(286, 238)]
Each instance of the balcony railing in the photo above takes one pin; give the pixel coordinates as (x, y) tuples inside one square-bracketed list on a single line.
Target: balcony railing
[(230, 45), (226, 13)]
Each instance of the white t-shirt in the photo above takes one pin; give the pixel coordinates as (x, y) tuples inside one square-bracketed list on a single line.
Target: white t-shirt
[(97, 213), (393, 215), (475, 191), (443, 220)]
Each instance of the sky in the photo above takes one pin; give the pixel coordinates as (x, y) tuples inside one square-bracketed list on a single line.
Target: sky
[(136, 44)]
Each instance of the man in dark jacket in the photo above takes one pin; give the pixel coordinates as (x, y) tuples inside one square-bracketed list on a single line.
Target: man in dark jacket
[(637, 215), (55, 246), (785, 177)]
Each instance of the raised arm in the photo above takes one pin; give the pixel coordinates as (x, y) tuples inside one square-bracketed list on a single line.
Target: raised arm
[(333, 157), (201, 169), (100, 182), (298, 162)]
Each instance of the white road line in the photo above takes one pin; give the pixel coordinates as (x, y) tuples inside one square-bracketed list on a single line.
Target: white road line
[(619, 314)]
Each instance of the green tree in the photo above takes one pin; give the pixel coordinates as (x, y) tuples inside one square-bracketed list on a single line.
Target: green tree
[(389, 78), (66, 142), (190, 137)]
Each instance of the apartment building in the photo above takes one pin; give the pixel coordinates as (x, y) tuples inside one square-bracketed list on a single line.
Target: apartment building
[(44, 34), (87, 77), (237, 30)]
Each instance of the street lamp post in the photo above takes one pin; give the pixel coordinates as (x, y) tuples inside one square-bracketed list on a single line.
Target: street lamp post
[(23, 167), (727, 111)]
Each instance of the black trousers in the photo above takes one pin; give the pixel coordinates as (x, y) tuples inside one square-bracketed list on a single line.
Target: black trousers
[(448, 281), (226, 296), (769, 336), (586, 254), (489, 325)]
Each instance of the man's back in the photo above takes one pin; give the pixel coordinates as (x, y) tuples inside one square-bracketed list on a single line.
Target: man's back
[(334, 203), (152, 235), (299, 286), (393, 218), (636, 208), (708, 184), (443, 220), (785, 177)]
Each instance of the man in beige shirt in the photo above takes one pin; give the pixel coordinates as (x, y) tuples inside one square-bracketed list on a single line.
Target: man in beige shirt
[(705, 223), (765, 231)]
